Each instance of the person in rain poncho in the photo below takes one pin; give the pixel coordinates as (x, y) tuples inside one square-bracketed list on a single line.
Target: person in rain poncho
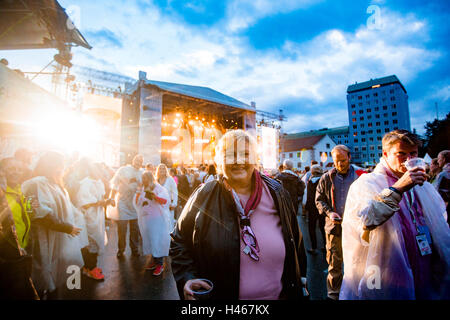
[(165, 180), (124, 185), (396, 241), (152, 205), (90, 200), (58, 228)]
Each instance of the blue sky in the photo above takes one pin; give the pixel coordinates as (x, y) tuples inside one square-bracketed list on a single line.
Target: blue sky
[(296, 55)]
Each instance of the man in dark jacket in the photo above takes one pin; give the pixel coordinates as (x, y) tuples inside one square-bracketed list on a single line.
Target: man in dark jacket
[(331, 195), (184, 191), (292, 183)]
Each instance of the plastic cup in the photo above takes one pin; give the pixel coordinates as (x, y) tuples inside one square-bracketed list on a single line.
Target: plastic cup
[(415, 162), (202, 293)]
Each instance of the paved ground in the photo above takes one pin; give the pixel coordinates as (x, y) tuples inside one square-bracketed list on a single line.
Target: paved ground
[(126, 279)]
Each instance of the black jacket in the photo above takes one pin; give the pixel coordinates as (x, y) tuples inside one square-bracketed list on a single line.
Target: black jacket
[(206, 241), (325, 202), (294, 185)]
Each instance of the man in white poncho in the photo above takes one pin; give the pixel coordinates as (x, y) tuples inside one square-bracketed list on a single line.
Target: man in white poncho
[(152, 205), (395, 239), (124, 185), (58, 228)]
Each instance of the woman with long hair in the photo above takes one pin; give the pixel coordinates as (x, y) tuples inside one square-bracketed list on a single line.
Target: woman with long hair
[(58, 228)]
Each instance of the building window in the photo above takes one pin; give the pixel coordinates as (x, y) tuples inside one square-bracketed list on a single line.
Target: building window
[(328, 146), (299, 164), (386, 129), (394, 114), (355, 140), (379, 147), (375, 94), (356, 149), (298, 154), (290, 155), (380, 155), (360, 104), (393, 98), (377, 108), (379, 138), (386, 122), (353, 106), (369, 110), (395, 121), (367, 96), (363, 148), (363, 133), (371, 139), (370, 131), (363, 139), (361, 118), (369, 117), (395, 128), (355, 126), (377, 116), (355, 133), (359, 97), (372, 155), (377, 124), (354, 120), (391, 91), (361, 111), (361, 125), (394, 106), (372, 148), (378, 130), (369, 124), (385, 115), (384, 107), (376, 101)]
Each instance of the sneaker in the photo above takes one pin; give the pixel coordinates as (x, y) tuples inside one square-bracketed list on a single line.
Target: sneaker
[(94, 274), (158, 270), (150, 266)]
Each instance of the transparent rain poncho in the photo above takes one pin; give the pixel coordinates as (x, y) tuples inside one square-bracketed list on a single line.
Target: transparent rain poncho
[(53, 251), (380, 269)]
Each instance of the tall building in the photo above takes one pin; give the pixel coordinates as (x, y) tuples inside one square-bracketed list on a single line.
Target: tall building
[(375, 107)]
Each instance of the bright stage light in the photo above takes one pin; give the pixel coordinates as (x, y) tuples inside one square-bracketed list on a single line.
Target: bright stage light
[(69, 132)]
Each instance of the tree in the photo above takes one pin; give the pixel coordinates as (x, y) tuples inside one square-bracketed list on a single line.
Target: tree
[(437, 136)]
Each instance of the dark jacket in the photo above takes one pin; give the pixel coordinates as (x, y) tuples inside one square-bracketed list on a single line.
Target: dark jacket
[(325, 200), (310, 205), (184, 189), (206, 241), (294, 185)]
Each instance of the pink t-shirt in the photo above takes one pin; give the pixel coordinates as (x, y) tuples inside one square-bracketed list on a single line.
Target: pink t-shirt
[(261, 280)]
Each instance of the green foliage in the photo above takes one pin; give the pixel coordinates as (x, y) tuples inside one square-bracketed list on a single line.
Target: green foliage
[(437, 136)]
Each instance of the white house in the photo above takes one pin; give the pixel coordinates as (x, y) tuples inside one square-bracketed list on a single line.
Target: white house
[(306, 149)]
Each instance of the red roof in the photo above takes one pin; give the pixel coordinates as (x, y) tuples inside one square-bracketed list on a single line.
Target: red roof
[(300, 143)]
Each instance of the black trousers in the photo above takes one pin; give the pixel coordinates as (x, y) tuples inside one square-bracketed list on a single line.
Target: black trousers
[(122, 226), (89, 258), (312, 222)]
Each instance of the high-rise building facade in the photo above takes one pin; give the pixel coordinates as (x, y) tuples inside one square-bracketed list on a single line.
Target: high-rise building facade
[(374, 108)]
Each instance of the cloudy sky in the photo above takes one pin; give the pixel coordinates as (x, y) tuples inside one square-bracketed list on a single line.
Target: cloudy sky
[(297, 55)]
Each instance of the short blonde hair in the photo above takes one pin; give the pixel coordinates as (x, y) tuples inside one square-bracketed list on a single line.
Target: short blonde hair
[(400, 135), (226, 152)]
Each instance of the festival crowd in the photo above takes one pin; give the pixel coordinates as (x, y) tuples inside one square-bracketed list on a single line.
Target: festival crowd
[(233, 225)]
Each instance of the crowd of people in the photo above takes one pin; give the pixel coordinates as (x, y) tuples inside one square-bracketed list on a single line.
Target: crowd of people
[(385, 228)]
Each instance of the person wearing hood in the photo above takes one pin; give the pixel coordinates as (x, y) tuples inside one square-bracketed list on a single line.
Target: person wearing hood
[(292, 183), (442, 183), (311, 208)]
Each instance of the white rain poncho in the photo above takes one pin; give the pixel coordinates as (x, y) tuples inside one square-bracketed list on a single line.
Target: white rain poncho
[(385, 254), (53, 251), (171, 186), (154, 222), (89, 192), (125, 182)]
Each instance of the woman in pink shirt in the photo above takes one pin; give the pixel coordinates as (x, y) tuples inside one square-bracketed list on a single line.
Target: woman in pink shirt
[(240, 232)]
